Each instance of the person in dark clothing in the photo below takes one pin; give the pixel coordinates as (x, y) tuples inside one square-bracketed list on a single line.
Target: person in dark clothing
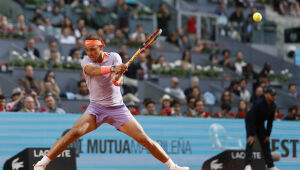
[(163, 18), (263, 109)]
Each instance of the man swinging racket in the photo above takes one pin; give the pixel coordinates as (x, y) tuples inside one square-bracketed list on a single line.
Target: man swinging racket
[(106, 105)]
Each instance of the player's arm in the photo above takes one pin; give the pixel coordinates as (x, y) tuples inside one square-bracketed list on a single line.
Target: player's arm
[(270, 123), (95, 70), (251, 118)]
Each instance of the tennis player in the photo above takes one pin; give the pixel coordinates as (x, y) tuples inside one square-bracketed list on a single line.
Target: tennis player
[(106, 105)]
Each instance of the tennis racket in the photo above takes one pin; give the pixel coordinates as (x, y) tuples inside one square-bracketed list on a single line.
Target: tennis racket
[(141, 50)]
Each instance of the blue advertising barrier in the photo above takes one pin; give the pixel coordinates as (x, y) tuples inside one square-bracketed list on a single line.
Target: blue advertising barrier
[(186, 140)]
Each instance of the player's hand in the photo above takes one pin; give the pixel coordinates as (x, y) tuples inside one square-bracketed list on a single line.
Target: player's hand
[(120, 68), (117, 79), (250, 139), (267, 139)]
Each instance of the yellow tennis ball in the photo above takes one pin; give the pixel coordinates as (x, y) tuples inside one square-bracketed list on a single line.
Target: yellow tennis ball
[(257, 17)]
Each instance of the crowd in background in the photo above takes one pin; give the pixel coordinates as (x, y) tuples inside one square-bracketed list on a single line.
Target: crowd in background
[(95, 18)]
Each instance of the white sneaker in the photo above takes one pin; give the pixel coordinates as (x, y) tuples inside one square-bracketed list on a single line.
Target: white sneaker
[(39, 166), (248, 167), (176, 167), (273, 168)]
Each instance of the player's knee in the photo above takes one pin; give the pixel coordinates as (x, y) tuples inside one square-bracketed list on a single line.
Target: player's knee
[(76, 133)]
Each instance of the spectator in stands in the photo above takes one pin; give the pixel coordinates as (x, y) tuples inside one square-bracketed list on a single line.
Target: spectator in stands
[(88, 18), (109, 33), (221, 10), (175, 108), (237, 17), (51, 105), (198, 46), (166, 105), (190, 111), (133, 108), (191, 27), (2, 103), (51, 49), (54, 59), (83, 32), (49, 29), (102, 17), (185, 44), (200, 109), (49, 90), (293, 91), (248, 29), (244, 93), (123, 13), (173, 39), (294, 8), (242, 109), (17, 97), (4, 24), (259, 91), (265, 71), (225, 111), (226, 61), (234, 87), (37, 12), (66, 37), (122, 51), (21, 26), (76, 57), (30, 48), (143, 67), (213, 59), (68, 23), (196, 92), (186, 61), (80, 24), (79, 46), (31, 103), (50, 77), (119, 36), (174, 89), (38, 28), (139, 35), (150, 108), (83, 93), (149, 57), (28, 82), (161, 60), (239, 63), (226, 97), (292, 113), (163, 18), (194, 82), (57, 18), (249, 73)]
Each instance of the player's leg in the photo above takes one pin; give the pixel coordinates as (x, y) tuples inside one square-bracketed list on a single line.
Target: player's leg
[(83, 125), (133, 129), (265, 148), (248, 157)]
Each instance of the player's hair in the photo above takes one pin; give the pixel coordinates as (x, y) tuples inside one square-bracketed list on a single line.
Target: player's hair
[(93, 37)]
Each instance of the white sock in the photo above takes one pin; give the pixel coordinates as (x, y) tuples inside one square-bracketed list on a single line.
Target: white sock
[(45, 160), (169, 163)]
